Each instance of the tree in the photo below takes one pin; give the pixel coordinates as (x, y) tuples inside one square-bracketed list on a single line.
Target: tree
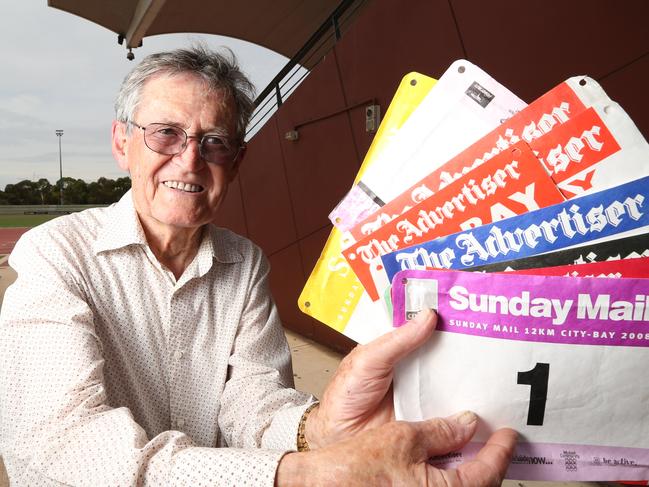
[(122, 185), (44, 189), (75, 192), (22, 193)]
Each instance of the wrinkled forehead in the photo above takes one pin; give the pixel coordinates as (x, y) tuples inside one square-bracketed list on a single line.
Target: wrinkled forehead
[(170, 89)]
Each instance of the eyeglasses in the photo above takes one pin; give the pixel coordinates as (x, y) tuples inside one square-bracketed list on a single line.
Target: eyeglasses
[(171, 140)]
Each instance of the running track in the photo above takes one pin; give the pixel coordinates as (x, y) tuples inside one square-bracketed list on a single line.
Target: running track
[(8, 238)]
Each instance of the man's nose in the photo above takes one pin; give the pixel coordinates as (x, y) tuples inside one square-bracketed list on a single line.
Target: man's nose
[(191, 154)]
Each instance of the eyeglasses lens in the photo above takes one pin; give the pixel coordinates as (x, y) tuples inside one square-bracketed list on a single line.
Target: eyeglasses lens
[(170, 140), (213, 149), (164, 139)]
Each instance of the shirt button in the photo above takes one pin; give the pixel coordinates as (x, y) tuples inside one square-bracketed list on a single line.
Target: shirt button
[(180, 422), (178, 355)]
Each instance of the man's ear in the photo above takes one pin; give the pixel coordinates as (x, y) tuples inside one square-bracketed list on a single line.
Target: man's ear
[(232, 173), (119, 144)]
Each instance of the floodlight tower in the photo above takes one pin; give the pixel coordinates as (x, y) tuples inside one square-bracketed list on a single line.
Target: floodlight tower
[(59, 134)]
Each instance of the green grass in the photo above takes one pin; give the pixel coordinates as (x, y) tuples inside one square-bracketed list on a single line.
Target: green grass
[(7, 221)]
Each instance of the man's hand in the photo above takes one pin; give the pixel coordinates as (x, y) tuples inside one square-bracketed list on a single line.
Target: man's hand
[(396, 453), (359, 397)]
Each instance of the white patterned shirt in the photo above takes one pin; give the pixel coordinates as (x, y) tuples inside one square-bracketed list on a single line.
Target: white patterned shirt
[(114, 373)]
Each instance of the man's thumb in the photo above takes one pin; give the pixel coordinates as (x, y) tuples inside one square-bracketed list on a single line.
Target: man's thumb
[(393, 346), (444, 435)]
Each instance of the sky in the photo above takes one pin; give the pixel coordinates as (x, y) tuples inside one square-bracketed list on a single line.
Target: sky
[(60, 71)]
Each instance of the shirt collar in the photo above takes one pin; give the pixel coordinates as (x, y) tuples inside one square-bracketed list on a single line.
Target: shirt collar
[(123, 228), (222, 245)]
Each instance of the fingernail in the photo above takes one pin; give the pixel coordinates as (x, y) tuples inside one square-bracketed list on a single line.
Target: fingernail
[(465, 418), (422, 317)]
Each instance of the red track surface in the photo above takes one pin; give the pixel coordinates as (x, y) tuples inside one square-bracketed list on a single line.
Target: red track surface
[(8, 238)]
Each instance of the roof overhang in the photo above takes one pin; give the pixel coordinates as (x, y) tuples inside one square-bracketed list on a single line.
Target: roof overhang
[(281, 25)]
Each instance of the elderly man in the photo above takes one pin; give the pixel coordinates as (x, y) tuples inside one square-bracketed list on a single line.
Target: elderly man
[(140, 345)]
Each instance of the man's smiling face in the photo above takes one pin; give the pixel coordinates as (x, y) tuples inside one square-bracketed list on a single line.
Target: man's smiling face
[(181, 190)]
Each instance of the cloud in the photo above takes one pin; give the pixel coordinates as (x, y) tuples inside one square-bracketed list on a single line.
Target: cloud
[(60, 71), (23, 104)]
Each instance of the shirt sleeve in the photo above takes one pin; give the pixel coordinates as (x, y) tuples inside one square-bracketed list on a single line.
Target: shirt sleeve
[(260, 375), (56, 426)]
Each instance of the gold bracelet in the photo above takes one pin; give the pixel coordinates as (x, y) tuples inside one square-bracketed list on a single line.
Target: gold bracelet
[(302, 444)]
